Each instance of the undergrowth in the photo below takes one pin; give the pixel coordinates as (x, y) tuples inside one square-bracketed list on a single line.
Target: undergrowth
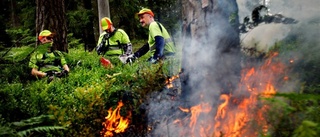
[(80, 101)]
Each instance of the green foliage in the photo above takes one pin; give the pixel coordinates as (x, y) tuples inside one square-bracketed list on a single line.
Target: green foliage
[(19, 58), (288, 110), (136, 44), (21, 37), (34, 125), (17, 54), (306, 129), (82, 19), (27, 16), (74, 42), (302, 47), (78, 20), (19, 13), (167, 12), (81, 100), (297, 113)]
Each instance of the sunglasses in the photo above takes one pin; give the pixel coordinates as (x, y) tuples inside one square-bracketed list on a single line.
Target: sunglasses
[(48, 38)]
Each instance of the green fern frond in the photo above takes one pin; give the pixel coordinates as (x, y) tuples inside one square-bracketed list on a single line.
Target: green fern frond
[(297, 97), (32, 121), (306, 129), (6, 131), (40, 129)]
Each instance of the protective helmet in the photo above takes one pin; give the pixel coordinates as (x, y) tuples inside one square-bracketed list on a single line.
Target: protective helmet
[(44, 33), (105, 23), (145, 11)]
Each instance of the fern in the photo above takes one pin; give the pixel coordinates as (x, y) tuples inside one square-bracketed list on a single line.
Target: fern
[(44, 129), (25, 127), (6, 131), (32, 121), (306, 129)]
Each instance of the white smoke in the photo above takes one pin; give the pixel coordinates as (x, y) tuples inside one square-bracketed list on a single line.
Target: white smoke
[(266, 35)]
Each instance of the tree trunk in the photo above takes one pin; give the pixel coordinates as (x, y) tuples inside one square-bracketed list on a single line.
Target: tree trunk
[(5, 39), (103, 10), (88, 30), (14, 18), (211, 49), (51, 15)]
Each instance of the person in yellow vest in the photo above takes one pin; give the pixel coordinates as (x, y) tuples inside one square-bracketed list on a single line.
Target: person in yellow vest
[(113, 41), (159, 41), (49, 62)]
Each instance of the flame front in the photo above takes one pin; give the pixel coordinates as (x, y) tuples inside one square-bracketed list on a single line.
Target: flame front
[(115, 122), (243, 106), (240, 113), (199, 127), (169, 81)]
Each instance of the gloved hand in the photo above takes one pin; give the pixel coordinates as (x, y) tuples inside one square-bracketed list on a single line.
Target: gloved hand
[(50, 73), (131, 58), (100, 49), (63, 73), (50, 78), (127, 58), (152, 60)]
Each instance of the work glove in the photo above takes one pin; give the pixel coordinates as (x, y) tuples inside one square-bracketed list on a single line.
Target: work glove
[(131, 58), (50, 78), (100, 49), (63, 73), (152, 60), (50, 73), (127, 58)]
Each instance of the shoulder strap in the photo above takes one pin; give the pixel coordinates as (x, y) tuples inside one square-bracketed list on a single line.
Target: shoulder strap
[(57, 53), (57, 60), (114, 32), (169, 34), (121, 46), (159, 26), (110, 35)]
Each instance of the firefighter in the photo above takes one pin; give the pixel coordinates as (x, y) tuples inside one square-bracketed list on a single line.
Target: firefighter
[(159, 42), (48, 62), (113, 42)]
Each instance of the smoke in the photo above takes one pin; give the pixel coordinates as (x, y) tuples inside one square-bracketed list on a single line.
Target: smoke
[(303, 40), (204, 83), (208, 69), (266, 35), (306, 31)]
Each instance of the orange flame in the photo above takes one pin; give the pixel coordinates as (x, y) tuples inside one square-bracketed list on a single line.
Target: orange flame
[(114, 122), (234, 114), (198, 127), (170, 80), (184, 109)]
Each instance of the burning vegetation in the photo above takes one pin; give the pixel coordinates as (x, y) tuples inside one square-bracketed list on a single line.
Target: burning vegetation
[(115, 123), (240, 113)]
